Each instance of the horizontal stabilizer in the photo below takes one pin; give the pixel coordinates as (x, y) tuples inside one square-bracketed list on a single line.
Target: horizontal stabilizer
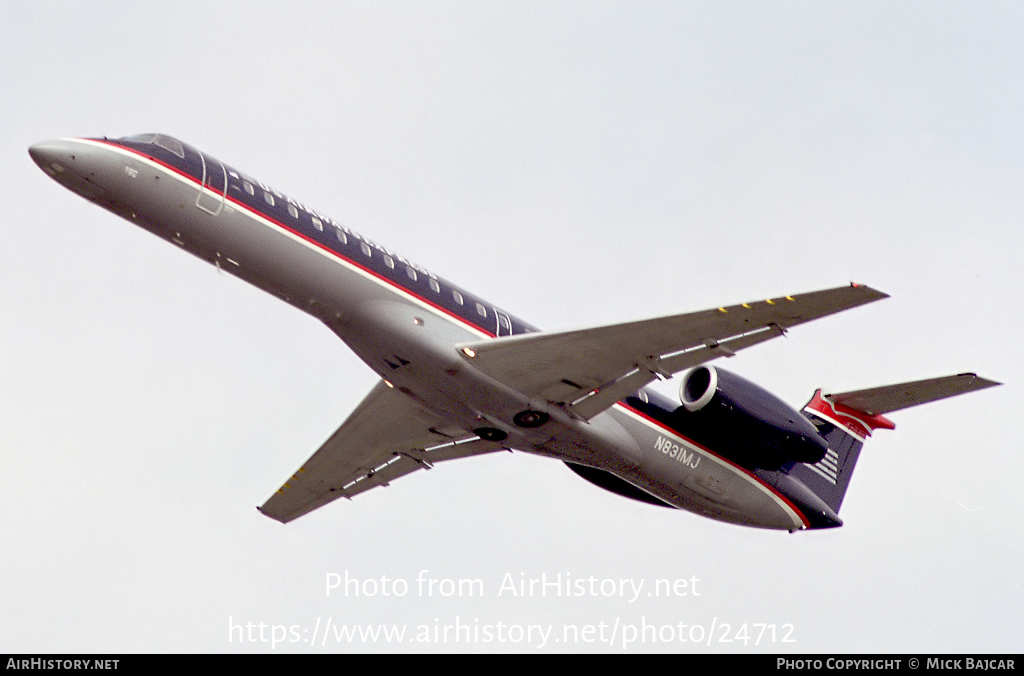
[(848, 418), (880, 400)]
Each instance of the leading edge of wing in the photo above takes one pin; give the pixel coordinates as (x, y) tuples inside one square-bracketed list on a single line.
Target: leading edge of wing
[(586, 371), (387, 436)]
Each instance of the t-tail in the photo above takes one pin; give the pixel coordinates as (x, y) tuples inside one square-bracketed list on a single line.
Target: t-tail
[(847, 419)]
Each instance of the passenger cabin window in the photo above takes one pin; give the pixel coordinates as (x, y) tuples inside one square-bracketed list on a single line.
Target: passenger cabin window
[(411, 273), (318, 224), (434, 286), (248, 187), (365, 248), (268, 198), (481, 310), (292, 211), (457, 296), (340, 234), (389, 262)]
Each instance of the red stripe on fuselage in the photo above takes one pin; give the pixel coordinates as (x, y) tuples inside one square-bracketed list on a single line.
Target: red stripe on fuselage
[(726, 461), (320, 245)]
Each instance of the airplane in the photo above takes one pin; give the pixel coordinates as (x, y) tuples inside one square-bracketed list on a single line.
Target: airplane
[(462, 377)]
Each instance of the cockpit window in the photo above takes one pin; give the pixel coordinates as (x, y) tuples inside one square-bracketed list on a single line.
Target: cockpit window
[(166, 142), (140, 138), (171, 144)]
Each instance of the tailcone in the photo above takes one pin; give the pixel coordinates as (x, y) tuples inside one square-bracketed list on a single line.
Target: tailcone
[(818, 514)]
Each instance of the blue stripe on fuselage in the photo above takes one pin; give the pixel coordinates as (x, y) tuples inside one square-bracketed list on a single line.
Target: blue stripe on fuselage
[(351, 251)]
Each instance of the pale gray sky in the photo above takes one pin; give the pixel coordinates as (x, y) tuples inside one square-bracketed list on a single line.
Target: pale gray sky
[(577, 163)]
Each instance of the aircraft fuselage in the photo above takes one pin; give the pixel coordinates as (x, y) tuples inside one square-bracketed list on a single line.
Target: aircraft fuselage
[(407, 325)]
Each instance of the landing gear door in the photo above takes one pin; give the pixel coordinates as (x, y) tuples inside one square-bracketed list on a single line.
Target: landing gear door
[(215, 186)]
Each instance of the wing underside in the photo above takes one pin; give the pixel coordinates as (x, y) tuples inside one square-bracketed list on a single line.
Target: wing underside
[(586, 371), (387, 436), (582, 372)]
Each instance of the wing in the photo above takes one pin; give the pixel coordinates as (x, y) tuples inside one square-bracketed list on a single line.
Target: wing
[(586, 371), (387, 436)]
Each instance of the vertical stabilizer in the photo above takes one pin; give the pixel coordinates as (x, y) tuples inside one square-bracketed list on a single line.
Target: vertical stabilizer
[(847, 419)]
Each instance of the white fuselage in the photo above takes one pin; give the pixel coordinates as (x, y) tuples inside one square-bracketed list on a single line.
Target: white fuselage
[(386, 323)]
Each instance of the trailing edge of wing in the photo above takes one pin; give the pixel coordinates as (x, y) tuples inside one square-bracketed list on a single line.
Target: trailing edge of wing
[(387, 436), (587, 371)]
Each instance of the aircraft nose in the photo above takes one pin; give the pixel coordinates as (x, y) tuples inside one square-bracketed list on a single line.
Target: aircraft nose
[(74, 164), (51, 156)]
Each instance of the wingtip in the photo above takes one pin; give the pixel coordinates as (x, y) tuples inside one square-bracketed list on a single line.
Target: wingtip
[(977, 381), (259, 508), (878, 295)]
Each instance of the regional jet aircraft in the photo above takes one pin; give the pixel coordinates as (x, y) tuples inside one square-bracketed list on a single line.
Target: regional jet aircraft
[(461, 376)]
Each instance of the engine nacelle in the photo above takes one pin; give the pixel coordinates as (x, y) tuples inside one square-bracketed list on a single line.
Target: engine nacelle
[(745, 422)]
